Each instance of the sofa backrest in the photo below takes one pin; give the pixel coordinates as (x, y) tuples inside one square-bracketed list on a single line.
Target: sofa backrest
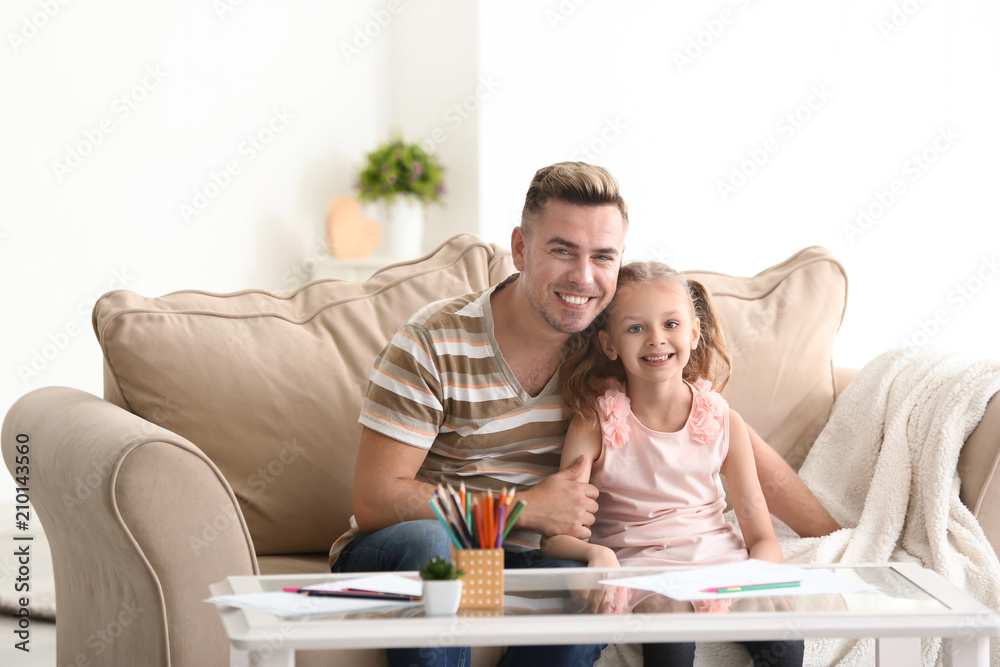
[(780, 326), (269, 384)]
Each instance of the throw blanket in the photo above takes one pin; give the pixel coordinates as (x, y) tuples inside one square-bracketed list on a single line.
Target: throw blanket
[(885, 466)]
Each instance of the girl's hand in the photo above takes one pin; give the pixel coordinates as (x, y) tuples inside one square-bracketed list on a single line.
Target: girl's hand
[(610, 599)]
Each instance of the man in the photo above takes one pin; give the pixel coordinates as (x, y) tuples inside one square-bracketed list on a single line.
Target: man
[(467, 391)]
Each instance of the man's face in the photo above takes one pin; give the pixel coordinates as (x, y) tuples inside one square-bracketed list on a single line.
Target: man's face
[(569, 265)]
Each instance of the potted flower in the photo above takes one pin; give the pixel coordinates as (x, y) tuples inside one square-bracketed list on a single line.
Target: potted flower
[(442, 587), (405, 179)]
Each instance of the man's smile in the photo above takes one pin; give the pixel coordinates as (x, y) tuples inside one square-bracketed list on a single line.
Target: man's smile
[(574, 300)]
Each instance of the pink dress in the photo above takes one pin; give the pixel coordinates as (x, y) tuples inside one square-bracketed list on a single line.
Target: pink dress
[(661, 497)]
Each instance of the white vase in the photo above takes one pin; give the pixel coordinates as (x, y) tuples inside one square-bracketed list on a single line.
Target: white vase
[(442, 596), (403, 233)]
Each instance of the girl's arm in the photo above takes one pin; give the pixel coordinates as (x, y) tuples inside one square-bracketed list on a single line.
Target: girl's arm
[(583, 447), (582, 437), (565, 547), (747, 497)]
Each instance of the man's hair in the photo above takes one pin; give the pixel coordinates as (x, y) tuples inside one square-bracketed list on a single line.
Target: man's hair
[(573, 182)]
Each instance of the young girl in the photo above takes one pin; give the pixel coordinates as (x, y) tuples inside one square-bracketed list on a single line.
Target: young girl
[(654, 437)]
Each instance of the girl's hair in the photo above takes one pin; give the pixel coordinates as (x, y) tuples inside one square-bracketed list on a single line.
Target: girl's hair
[(586, 369)]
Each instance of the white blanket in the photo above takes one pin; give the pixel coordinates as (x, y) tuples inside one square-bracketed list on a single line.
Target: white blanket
[(885, 466)]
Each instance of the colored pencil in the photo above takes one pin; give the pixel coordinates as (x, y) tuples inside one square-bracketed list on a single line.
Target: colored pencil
[(445, 522), (752, 587), (513, 517), (476, 520), (356, 594)]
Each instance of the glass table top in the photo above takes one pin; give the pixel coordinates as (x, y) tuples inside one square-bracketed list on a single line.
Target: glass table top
[(578, 591)]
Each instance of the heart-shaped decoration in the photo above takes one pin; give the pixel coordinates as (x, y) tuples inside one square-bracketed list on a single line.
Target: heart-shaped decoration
[(349, 233)]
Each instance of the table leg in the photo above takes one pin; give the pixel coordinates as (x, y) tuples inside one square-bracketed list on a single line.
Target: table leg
[(238, 657), (972, 652), (272, 658), (897, 651)]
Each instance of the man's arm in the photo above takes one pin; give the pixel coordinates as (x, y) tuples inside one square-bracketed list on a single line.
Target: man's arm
[(386, 492), (788, 498)]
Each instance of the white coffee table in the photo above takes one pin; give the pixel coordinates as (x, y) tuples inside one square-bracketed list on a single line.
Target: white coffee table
[(911, 603)]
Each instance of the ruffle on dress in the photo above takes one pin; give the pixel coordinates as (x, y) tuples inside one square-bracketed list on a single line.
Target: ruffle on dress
[(614, 408), (708, 410)]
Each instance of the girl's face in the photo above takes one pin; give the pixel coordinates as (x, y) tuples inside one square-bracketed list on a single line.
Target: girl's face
[(652, 329)]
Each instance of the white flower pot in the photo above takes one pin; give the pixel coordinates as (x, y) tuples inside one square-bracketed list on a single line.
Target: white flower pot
[(403, 231), (442, 596)]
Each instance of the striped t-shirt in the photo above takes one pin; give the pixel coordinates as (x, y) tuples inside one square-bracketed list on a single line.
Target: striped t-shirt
[(441, 384)]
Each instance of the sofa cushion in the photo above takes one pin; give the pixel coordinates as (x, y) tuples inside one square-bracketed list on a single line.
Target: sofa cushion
[(780, 326), (269, 384)]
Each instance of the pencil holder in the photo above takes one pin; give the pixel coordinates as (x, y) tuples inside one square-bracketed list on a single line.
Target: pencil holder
[(482, 585)]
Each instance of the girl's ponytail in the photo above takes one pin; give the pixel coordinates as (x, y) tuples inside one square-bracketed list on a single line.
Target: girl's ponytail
[(710, 360)]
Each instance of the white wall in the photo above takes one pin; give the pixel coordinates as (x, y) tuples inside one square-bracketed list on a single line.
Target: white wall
[(201, 80), (436, 92), (510, 88), (606, 76)]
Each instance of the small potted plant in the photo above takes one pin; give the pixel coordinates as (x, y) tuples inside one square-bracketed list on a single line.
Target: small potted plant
[(405, 179), (442, 587)]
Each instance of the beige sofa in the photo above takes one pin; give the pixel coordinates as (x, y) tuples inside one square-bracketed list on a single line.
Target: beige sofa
[(225, 441)]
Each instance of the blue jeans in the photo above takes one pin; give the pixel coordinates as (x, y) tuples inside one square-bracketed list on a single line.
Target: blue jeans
[(407, 546)]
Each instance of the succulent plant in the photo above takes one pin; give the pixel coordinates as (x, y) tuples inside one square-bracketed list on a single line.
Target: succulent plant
[(439, 568)]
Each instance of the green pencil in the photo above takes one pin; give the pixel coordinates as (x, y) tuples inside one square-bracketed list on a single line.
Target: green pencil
[(513, 517)]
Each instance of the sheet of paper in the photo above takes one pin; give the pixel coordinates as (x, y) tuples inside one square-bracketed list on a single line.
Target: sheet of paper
[(381, 583), (692, 584), (302, 606)]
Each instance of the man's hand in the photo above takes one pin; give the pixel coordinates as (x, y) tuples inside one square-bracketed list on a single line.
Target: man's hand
[(560, 505)]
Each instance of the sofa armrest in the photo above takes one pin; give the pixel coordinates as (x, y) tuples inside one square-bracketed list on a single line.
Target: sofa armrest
[(139, 521), (978, 469)]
